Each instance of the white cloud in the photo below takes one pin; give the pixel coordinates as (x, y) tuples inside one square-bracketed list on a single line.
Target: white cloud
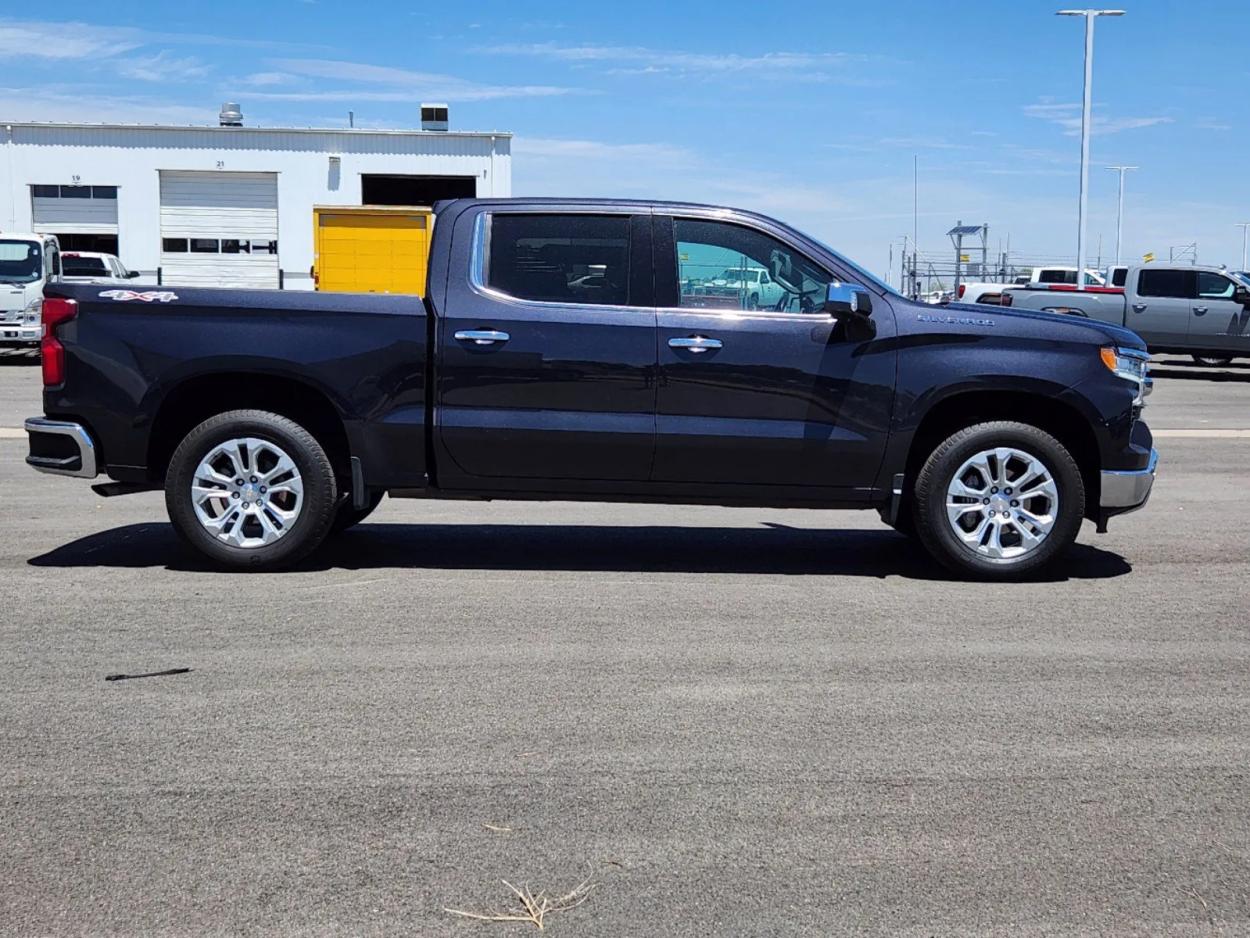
[(399, 84), (162, 67), (644, 60), (1068, 116), (37, 104), (64, 40)]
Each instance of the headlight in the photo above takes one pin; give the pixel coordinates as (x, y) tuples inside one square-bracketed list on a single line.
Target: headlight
[(34, 309), (1131, 365)]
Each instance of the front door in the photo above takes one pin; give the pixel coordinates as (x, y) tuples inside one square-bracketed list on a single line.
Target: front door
[(1219, 321), (547, 350), (1160, 308), (761, 389)]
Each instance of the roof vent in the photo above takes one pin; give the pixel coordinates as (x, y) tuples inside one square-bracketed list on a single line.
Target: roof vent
[(230, 115), (434, 117)]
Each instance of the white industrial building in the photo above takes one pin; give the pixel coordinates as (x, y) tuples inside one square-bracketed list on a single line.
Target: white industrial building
[(229, 205)]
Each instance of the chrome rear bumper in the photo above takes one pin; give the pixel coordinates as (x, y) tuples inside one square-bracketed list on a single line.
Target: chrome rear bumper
[(61, 448)]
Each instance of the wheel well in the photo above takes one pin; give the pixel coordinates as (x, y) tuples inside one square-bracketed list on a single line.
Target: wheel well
[(1062, 421), (195, 400)]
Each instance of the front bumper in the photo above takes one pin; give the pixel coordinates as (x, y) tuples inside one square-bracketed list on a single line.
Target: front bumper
[(1127, 490), (61, 448), (25, 332)]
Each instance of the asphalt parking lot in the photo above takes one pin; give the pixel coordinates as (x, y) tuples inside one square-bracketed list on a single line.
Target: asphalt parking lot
[(733, 721)]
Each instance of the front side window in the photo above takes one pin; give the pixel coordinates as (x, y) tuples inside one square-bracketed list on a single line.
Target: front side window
[(580, 259), (20, 261), (726, 266), (1177, 284), (1213, 286)]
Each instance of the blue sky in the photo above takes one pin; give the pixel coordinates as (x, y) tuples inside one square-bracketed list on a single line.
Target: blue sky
[(808, 111)]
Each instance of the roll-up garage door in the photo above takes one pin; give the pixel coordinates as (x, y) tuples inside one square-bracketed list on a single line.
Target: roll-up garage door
[(219, 229)]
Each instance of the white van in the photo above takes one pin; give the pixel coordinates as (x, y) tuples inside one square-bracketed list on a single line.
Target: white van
[(27, 262)]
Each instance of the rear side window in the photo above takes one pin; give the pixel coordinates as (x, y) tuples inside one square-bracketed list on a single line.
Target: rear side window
[(1163, 282), (75, 266), (1056, 276), (560, 258), (1119, 276)]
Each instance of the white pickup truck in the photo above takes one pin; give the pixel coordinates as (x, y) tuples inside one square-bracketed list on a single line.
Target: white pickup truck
[(27, 262), (991, 293), (1199, 311)]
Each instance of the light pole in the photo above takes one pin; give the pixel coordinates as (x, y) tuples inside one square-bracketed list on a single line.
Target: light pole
[(1119, 215), (1245, 227), (1085, 122)]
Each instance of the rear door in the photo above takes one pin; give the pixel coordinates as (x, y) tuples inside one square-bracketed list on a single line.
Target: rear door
[(1219, 321), (547, 349), (1160, 306), (775, 396)]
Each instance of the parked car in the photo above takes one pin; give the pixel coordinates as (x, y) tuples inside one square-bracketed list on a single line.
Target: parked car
[(752, 285), (273, 419), (93, 267), (1200, 311), (27, 263), (991, 293)]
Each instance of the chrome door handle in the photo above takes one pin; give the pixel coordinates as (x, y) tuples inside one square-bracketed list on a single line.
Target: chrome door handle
[(696, 343), (1139, 307), (482, 336), (1199, 310)]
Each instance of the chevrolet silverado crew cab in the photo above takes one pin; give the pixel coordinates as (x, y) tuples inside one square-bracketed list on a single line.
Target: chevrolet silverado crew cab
[(1202, 311), (274, 419)]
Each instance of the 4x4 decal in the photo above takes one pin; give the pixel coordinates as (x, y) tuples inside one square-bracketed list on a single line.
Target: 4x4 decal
[(147, 296)]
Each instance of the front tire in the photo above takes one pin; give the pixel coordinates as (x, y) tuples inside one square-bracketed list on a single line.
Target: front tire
[(998, 500), (1214, 361), (251, 490)]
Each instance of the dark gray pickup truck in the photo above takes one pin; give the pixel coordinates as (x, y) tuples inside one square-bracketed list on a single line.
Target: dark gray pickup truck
[(592, 350)]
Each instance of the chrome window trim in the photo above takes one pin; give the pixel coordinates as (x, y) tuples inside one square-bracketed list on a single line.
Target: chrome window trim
[(478, 271)]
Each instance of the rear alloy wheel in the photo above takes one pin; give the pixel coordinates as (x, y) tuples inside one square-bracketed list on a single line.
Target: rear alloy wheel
[(251, 489), (999, 499), (1214, 361)]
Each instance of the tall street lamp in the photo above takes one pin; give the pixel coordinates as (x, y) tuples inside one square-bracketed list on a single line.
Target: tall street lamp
[(1245, 230), (1119, 215), (1085, 122)]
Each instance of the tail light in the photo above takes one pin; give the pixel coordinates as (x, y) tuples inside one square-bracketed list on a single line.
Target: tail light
[(55, 312), (963, 287)]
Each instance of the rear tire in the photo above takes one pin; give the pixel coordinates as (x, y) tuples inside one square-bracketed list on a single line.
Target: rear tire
[(251, 490), (1214, 361), (998, 500)]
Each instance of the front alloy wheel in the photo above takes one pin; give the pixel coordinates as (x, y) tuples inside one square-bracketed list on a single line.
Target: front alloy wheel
[(1002, 503), (998, 499)]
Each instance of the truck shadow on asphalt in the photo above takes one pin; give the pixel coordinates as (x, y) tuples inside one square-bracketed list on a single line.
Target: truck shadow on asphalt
[(770, 549)]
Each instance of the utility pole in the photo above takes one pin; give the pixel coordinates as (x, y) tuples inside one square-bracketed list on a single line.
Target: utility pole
[(1086, 108), (1245, 228), (1119, 215)]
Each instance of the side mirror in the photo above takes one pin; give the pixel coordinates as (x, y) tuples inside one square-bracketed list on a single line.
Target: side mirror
[(131, 274), (843, 299), (1242, 295)]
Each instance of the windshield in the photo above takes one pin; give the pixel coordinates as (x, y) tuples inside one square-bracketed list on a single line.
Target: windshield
[(20, 261), (1243, 276), (864, 276), (72, 265)]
